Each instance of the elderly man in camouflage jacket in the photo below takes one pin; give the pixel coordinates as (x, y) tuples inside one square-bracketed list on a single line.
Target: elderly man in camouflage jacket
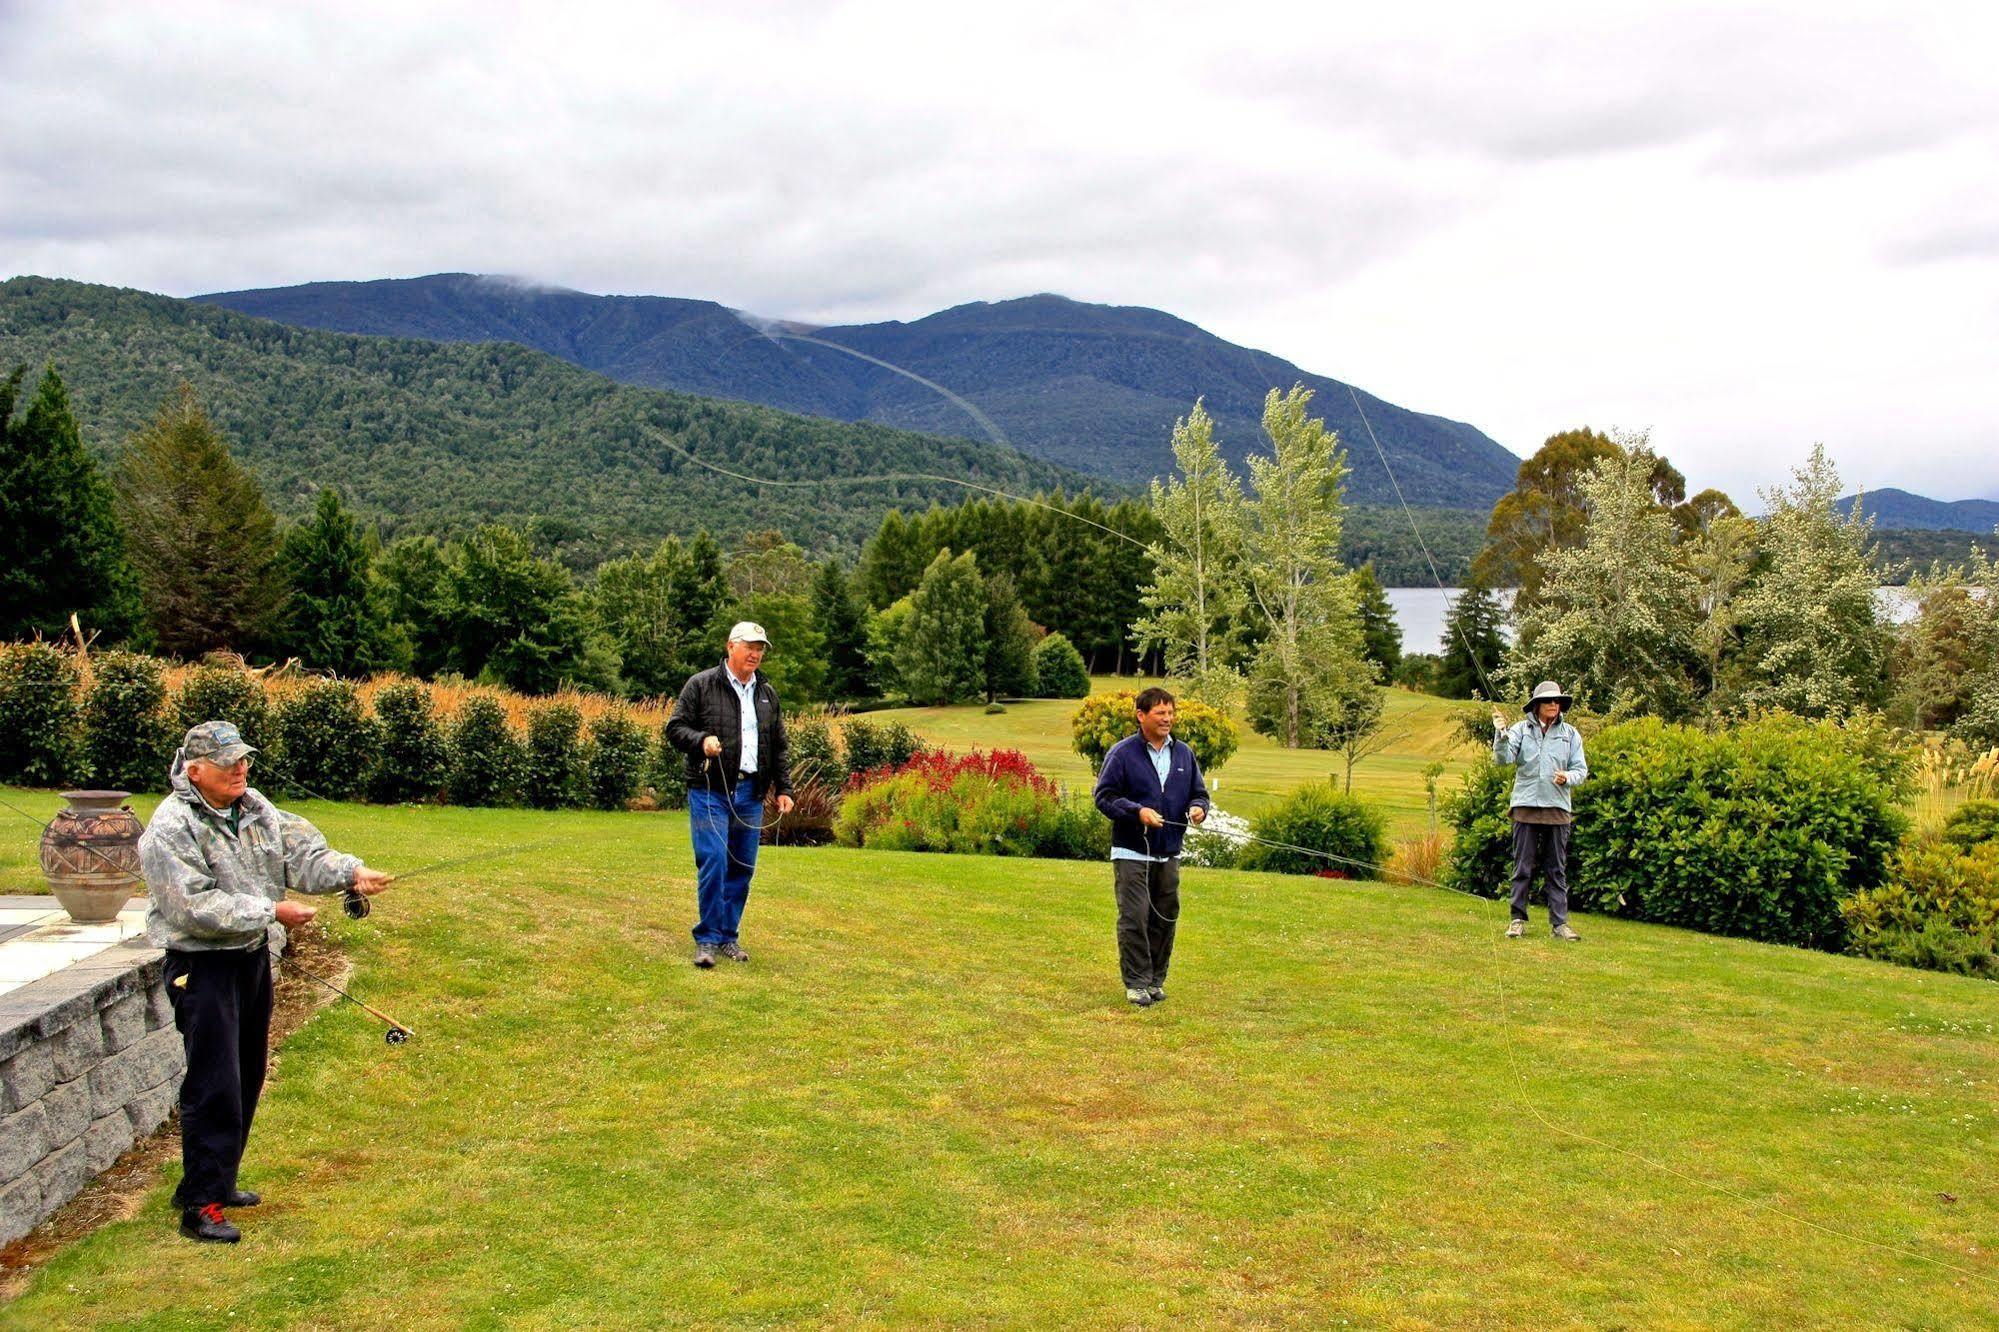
[(218, 859)]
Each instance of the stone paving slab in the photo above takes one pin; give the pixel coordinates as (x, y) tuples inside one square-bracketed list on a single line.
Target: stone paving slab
[(41, 940)]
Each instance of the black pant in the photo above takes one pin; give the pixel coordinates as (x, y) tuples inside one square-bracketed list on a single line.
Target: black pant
[(1148, 907), (223, 1014), (1544, 846)]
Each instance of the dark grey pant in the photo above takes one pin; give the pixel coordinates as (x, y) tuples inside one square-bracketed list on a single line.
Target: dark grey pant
[(1148, 907), (1543, 846)]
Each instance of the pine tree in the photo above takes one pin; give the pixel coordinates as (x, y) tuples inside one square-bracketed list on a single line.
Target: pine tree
[(413, 576), (701, 600), (842, 619), (1473, 645), (200, 536), (61, 552), (1814, 640), (335, 617), (1616, 620), (892, 562), (941, 651), (1196, 594), (1380, 635), (1009, 660), (1291, 565)]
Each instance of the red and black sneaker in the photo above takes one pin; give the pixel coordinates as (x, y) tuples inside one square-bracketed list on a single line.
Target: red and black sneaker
[(206, 1223)]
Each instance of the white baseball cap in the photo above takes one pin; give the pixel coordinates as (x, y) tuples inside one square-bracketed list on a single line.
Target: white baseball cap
[(749, 631)]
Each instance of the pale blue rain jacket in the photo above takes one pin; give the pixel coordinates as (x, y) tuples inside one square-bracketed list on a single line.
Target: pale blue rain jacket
[(1540, 756)]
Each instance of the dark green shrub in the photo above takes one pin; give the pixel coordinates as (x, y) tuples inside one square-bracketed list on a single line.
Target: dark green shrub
[(322, 743), (486, 760), (1939, 910), (1979, 726), (815, 755), (614, 760), (40, 720), (554, 756), (128, 736), (669, 773), (217, 692), (1972, 823), (1325, 819), (1481, 856), (1105, 719), (412, 759), (874, 745), (1756, 832), (1058, 669)]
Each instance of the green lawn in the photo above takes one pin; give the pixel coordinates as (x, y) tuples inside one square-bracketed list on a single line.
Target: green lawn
[(1261, 770), (926, 1104)]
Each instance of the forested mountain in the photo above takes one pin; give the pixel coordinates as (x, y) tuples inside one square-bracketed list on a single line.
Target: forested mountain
[(437, 437), (1898, 509), (1094, 387)]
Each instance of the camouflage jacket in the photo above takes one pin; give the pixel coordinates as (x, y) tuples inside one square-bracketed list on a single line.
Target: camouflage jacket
[(212, 888)]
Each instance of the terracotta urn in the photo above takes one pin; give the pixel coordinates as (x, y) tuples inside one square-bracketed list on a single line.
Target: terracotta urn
[(90, 855)]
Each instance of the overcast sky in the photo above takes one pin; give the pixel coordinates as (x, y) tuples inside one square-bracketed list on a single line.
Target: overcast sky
[(1745, 227)]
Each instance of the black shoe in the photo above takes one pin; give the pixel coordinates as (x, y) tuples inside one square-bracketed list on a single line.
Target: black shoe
[(1141, 998), (206, 1223), (1158, 993), (243, 1198), (733, 951)]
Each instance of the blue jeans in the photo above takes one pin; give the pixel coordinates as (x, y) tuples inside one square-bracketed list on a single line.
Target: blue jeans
[(726, 835)]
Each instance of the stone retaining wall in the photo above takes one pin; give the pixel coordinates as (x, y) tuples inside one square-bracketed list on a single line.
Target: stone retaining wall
[(89, 1063)]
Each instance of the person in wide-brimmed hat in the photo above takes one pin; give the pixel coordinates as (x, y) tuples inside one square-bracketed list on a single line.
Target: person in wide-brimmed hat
[(1548, 756)]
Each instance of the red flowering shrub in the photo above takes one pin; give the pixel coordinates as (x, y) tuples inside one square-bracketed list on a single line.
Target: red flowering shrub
[(981, 803)]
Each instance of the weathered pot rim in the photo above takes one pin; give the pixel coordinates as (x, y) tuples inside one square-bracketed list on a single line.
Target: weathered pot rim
[(96, 795)]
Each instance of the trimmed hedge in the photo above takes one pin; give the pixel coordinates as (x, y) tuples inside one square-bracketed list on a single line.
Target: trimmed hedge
[(553, 757), (1757, 832), (40, 718), (614, 761), (1323, 818), (128, 736), (1105, 719), (487, 762), (322, 743), (224, 693), (1059, 671), (412, 759)]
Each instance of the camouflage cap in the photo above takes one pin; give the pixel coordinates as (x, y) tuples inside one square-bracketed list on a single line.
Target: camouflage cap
[(215, 742)]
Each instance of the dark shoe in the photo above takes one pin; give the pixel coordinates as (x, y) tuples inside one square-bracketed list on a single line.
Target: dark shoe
[(704, 956), (733, 951), (206, 1223), (243, 1198), (1142, 998), (1158, 993)]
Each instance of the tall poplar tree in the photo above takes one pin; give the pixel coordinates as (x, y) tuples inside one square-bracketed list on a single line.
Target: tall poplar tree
[(61, 551), (200, 536), (1311, 636), (1196, 595)]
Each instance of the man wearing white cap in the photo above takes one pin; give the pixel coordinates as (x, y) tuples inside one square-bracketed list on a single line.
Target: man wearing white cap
[(728, 725)]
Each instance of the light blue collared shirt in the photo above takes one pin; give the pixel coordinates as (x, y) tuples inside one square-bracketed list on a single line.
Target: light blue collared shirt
[(1162, 763), (746, 704)]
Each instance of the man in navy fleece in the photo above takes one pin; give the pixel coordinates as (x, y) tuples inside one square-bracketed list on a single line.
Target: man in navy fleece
[(1150, 789)]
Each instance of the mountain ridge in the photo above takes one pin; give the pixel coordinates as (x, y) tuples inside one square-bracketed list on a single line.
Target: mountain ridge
[(1092, 387)]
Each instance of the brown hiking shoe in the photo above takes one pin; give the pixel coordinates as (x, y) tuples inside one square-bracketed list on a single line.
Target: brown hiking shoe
[(704, 956)]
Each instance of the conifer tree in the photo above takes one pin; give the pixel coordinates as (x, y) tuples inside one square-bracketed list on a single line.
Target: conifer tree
[(941, 649), (61, 551), (1473, 645), (1196, 593), (1380, 635), (638, 601), (892, 562), (199, 534), (842, 619), (1009, 660), (335, 617)]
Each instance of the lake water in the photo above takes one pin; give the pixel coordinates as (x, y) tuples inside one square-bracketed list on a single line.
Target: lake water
[(1421, 612)]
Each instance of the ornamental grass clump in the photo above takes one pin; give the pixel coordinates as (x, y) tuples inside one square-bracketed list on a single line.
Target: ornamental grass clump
[(982, 803)]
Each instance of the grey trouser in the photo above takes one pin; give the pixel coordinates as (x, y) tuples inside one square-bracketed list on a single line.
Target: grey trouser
[(1543, 846), (1148, 906)]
